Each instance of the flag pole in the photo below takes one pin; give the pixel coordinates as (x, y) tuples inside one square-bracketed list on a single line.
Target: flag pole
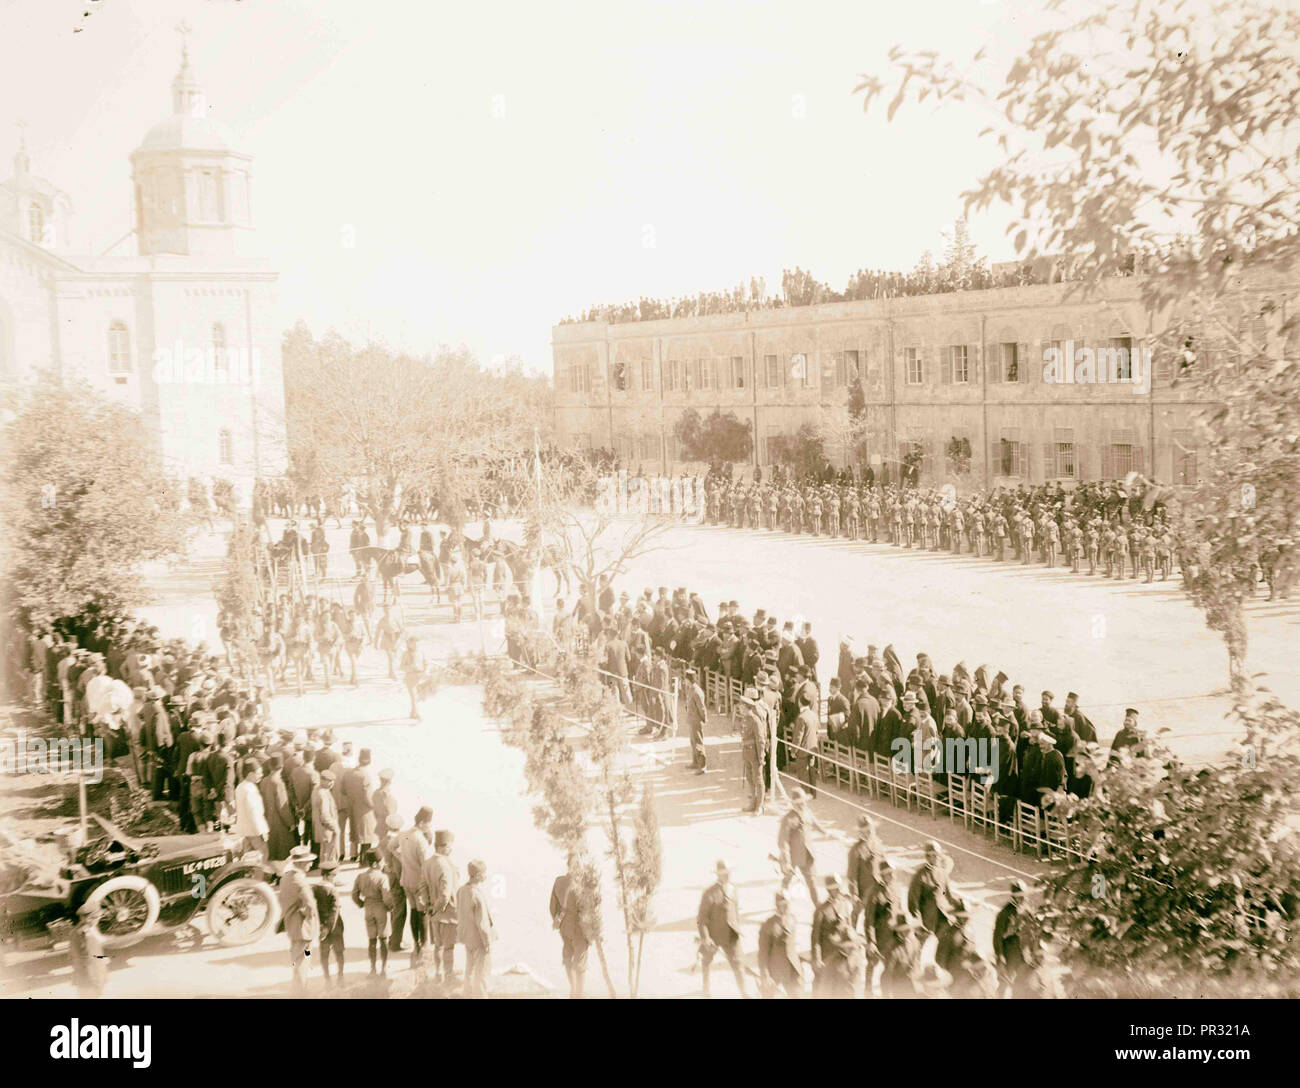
[(537, 567)]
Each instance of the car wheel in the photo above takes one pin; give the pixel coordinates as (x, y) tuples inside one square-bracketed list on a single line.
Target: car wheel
[(242, 911), (129, 906)]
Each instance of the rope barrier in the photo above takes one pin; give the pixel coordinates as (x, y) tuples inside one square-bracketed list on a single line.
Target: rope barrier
[(1041, 838)]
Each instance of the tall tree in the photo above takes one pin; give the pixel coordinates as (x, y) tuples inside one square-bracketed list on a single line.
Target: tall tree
[(1186, 878), (717, 437), (804, 452), (85, 503), (961, 261)]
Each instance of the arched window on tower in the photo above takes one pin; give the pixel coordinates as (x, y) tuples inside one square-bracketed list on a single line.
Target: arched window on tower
[(119, 348), (225, 447), (219, 346), (36, 223)]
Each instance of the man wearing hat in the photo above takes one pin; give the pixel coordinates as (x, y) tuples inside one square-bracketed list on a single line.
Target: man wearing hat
[(1029, 757), (905, 729), (1129, 737), (778, 958), (416, 843), (697, 713), (1018, 709), (358, 789), (902, 968), (754, 740), (566, 917), (250, 813), (157, 739), (298, 912), (325, 820), (1015, 942), (805, 741), (476, 929), (955, 942), (929, 897), (219, 771), (661, 678), (1078, 720), (836, 951), (1049, 713), (326, 892), (881, 901), (1051, 768), (718, 924), (808, 650), (865, 856), (382, 802), (390, 850), (439, 882), (281, 832), (792, 843)]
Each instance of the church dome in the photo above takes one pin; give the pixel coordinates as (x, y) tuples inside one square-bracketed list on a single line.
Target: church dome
[(189, 128), (180, 132)]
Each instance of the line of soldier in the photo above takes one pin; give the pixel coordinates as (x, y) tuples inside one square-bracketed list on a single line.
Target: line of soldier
[(1099, 525), (867, 932)]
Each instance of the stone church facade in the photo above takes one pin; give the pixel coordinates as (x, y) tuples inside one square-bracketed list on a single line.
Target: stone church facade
[(185, 329)]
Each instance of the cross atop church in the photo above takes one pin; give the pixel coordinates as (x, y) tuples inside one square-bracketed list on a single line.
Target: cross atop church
[(184, 30), (22, 135)]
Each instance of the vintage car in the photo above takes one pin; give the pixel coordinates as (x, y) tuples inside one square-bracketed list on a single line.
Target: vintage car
[(143, 886)]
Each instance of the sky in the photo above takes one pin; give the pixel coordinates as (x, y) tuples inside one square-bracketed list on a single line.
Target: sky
[(429, 173)]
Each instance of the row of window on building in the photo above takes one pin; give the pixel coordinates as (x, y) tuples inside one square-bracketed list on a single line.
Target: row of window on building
[(956, 364), (121, 361), (1062, 457), (1010, 455)]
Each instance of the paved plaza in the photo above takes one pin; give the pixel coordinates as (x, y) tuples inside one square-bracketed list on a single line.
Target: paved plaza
[(1115, 643)]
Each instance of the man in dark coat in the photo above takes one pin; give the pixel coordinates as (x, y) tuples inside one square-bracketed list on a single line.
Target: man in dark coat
[(890, 725), (1049, 713), (566, 917), (219, 772), (793, 851), (930, 897), (865, 857), (1015, 943), (1129, 737), (807, 646), (788, 654), (863, 716), (778, 958), (837, 713), (718, 923), (836, 949), (697, 715), (1078, 720), (1051, 771), (805, 741), (882, 902), (331, 945), (1031, 764), (281, 834), (189, 742)]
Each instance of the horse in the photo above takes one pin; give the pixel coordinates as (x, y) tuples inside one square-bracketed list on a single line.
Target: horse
[(522, 562), (391, 563)]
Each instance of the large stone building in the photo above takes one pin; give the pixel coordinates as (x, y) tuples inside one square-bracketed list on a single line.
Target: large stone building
[(965, 372), (185, 328)]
